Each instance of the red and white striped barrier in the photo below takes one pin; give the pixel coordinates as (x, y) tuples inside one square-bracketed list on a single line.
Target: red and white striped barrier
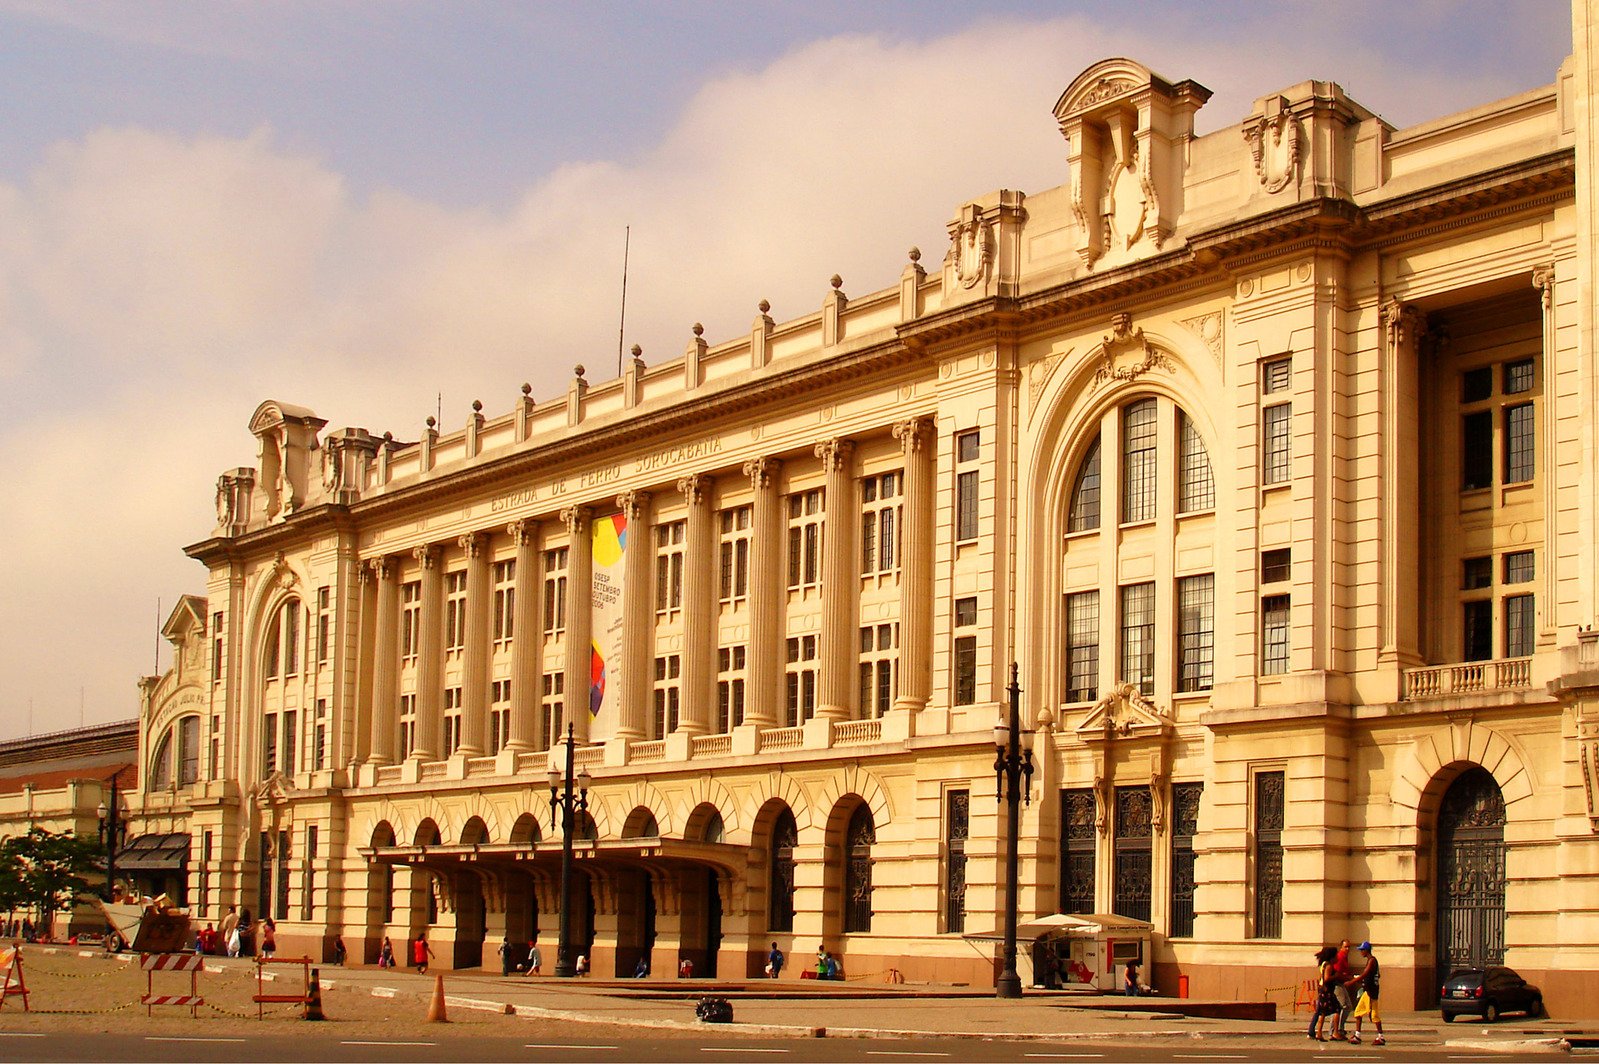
[(172, 962), (172, 999), (193, 963)]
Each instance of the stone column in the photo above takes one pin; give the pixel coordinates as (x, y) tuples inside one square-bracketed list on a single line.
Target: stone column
[(699, 607), (579, 619), (764, 695), (386, 662), (916, 438), (840, 582), (475, 663), (430, 656), (527, 639), (1403, 325), (638, 619)]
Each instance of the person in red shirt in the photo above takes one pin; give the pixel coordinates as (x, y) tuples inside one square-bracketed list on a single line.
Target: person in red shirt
[(1345, 1002), (420, 952)]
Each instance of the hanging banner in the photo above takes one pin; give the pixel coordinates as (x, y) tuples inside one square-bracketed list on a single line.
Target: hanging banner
[(605, 670)]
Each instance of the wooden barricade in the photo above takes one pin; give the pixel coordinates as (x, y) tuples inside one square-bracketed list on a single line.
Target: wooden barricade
[(263, 998), (193, 963), (13, 984)]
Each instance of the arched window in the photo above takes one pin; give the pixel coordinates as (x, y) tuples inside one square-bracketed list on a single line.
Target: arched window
[(1085, 493), (161, 764), (785, 836), (188, 729), (282, 642), (858, 840), (1196, 487)]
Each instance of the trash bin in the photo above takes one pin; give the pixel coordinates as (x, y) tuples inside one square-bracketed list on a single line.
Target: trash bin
[(1182, 986)]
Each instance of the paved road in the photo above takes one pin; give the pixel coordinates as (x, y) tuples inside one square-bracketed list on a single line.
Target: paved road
[(713, 1049)]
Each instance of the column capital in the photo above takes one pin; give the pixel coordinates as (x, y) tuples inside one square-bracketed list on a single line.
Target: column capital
[(695, 488), (834, 453), (576, 518), (474, 543), (427, 554), (1543, 279), (914, 433), (523, 531), (763, 471), (1403, 323), (382, 567), (632, 503)]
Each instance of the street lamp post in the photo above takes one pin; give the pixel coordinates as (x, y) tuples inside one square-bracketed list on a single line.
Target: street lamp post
[(1013, 770), (110, 832), (568, 805)]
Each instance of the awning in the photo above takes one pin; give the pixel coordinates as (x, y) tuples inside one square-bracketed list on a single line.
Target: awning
[(1066, 924), (155, 853)]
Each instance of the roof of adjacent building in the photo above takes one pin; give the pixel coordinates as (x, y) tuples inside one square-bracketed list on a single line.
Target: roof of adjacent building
[(49, 761)]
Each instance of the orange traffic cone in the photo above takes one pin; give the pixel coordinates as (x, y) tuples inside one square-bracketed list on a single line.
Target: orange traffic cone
[(436, 1006), (313, 997)]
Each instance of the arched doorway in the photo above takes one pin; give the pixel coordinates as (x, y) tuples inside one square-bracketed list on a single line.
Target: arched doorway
[(1471, 873)]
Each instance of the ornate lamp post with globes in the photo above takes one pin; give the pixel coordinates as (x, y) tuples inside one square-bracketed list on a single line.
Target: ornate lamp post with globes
[(1013, 770), (568, 806), (112, 830)]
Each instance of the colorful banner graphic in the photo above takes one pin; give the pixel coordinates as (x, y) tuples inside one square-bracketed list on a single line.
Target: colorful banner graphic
[(605, 669)]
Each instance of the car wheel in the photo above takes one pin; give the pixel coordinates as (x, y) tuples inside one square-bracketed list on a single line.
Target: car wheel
[(1490, 1012), (1449, 1017), (1536, 1009)]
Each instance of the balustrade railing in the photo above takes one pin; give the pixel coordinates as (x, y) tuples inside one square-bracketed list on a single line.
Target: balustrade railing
[(649, 750), (711, 746), (1436, 681), (856, 732), (782, 739)]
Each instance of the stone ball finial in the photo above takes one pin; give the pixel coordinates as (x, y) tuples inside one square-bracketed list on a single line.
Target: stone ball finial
[(388, 437), (916, 254), (699, 330), (765, 306), (836, 281), (477, 406), (431, 422), (578, 370), (527, 389), (637, 350)]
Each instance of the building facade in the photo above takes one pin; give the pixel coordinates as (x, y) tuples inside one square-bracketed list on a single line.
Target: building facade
[(1267, 454)]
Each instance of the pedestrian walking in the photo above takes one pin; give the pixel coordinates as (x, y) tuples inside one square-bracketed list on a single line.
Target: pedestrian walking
[(1326, 1003), (535, 958), (339, 953), (1130, 979), (1341, 974), (505, 957), (421, 952), (386, 955), (1369, 985), (269, 938), (774, 962)]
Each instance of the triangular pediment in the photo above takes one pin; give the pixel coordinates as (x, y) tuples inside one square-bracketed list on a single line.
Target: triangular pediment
[(1122, 713)]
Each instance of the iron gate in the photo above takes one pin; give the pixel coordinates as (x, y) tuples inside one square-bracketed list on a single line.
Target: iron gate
[(1471, 873)]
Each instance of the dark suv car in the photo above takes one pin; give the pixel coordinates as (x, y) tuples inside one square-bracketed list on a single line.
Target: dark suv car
[(1487, 992)]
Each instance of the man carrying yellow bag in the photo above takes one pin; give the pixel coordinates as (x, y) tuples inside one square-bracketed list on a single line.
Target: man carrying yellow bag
[(1369, 984)]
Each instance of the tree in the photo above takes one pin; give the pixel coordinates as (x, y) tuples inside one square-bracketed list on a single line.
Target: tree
[(50, 870)]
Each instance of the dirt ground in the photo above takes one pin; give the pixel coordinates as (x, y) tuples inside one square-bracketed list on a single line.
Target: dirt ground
[(101, 994)]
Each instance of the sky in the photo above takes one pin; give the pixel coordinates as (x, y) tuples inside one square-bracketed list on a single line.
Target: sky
[(361, 206)]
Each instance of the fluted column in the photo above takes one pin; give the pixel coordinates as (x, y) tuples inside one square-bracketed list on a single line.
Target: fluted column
[(385, 662), (699, 607), (638, 618), (527, 639), (916, 438), (1403, 326), (579, 619), (430, 656), (475, 663), (764, 695), (840, 581)]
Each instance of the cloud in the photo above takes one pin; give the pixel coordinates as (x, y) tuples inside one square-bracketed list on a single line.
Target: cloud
[(154, 288)]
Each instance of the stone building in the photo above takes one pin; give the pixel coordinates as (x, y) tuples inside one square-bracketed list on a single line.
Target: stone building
[(1267, 453)]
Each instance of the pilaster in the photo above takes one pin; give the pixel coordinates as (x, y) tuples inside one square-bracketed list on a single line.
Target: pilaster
[(475, 667), (430, 656), (764, 695), (699, 607), (840, 585), (386, 662)]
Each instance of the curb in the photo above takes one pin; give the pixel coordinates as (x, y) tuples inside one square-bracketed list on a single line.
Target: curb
[(1507, 1045)]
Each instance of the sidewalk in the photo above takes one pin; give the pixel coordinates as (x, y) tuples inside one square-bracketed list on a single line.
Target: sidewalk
[(809, 1009)]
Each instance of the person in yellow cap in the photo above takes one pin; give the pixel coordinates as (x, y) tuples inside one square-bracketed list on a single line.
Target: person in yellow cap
[(1368, 985)]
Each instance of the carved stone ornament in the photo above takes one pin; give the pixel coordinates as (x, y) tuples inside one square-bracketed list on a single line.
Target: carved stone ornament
[(1274, 144), (762, 471), (276, 789), (1104, 89), (1123, 713), (1103, 802), (1122, 340), (1588, 754), (972, 248), (1543, 279), (913, 434)]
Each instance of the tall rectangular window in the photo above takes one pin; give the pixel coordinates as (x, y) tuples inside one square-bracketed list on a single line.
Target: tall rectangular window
[(324, 623), (1196, 632), (669, 548), (504, 627), (805, 513), (1477, 450), (291, 640), (879, 663), (188, 751), (730, 680), (968, 447), (1276, 446), (965, 680), (452, 720), (1274, 635), (1477, 635), (1082, 646), (1134, 867), (269, 745), (668, 693), (455, 611), (1078, 838), (407, 725), (319, 737), (410, 620), (1196, 487), (1138, 461), (733, 585), (552, 700), (1276, 375), (499, 715), (800, 680), (957, 829), (1138, 636), (1520, 443), (555, 592), (1268, 847), (308, 874), (287, 759), (880, 521), (1519, 626), (281, 877), (207, 855), (216, 648), (1184, 826)]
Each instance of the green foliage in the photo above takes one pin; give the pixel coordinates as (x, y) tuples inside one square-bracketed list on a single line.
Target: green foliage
[(45, 870)]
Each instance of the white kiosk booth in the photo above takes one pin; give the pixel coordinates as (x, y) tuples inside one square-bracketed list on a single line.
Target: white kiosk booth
[(1077, 951)]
